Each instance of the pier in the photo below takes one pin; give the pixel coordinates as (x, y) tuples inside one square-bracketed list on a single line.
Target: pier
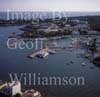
[(52, 47), (37, 52)]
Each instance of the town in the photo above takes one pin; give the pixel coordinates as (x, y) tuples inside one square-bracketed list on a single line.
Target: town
[(14, 89), (85, 28)]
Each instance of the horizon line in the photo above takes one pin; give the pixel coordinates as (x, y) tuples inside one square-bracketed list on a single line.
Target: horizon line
[(46, 11)]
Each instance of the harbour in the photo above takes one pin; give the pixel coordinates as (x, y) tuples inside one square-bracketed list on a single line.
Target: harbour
[(63, 63)]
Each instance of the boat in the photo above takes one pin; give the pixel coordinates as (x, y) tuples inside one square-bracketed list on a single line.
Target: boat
[(51, 51), (42, 54), (83, 64)]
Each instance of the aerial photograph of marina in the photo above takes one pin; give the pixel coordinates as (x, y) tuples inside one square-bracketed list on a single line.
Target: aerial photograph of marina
[(49, 48)]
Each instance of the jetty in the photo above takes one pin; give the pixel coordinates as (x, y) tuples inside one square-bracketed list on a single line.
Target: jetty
[(38, 52)]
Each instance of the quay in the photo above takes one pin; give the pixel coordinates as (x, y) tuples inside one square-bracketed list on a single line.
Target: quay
[(50, 51), (38, 52)]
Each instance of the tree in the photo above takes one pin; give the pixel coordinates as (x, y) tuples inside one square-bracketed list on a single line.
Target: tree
[(18, 95)]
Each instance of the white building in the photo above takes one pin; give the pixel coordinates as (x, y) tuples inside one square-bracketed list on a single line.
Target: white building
[(15, 88), (11, 88), (92, 32), (76, 33)]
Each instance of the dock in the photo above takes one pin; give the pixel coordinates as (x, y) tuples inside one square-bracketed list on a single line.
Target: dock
[(37, 52)]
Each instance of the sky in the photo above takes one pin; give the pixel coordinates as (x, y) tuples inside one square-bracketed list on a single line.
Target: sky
[(50, 5)]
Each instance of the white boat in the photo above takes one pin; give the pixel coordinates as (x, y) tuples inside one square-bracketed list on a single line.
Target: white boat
[(83, 64), (51, 51)]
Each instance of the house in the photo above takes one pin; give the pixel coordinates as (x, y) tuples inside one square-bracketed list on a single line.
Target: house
[(75, 33), (98, 45), (92, 32), (47, 29), (31, 93)]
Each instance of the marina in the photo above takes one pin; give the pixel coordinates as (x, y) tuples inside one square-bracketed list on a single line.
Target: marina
[(42, 53), (66, 61), (49, 48)]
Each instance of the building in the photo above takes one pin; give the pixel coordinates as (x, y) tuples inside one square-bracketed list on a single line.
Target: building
[(31, 93), (10, 89), (49, 28), (14, 88), (98, 45), (75, 33), (92, 32)]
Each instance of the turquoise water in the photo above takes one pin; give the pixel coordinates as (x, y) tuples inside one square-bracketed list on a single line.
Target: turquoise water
[(16, 61)]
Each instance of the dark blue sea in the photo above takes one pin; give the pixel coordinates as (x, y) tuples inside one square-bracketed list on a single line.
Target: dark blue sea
[(16, 61)]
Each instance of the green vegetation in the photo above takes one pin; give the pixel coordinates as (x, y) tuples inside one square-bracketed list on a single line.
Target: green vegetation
[(94, 21), (18, 95), (33, 33), (40, 29)]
